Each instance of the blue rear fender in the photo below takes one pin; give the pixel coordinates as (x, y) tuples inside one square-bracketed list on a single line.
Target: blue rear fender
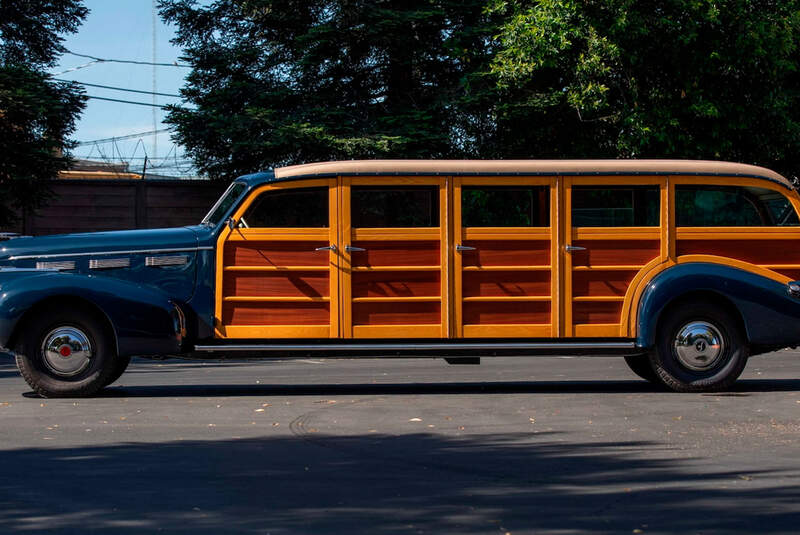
[(144, 320), (770, 316)]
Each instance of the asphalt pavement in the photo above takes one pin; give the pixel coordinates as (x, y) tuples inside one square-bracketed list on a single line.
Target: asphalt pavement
[(515, 445)]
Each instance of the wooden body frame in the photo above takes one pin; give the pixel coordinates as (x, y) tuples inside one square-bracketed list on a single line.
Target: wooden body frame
[(576, 286)]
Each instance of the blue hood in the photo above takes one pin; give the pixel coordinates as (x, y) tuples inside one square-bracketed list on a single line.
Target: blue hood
[(97, 242)]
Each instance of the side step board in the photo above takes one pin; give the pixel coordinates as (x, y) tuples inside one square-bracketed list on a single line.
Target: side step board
[(421, 348)]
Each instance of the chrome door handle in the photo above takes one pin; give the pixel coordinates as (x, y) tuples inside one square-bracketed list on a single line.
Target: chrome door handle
[(326, 248), (351, 249), (460, 248), (573, 248)]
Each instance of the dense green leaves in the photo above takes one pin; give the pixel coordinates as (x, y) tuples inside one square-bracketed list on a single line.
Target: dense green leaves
[(277, 82), (36, 114), (282, 81)]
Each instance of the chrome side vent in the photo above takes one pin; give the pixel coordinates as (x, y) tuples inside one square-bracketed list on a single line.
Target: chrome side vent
[(159, 261), (64, 264), (109, 263)]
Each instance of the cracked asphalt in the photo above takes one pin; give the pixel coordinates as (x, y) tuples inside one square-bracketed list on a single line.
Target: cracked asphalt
[(515, 445)]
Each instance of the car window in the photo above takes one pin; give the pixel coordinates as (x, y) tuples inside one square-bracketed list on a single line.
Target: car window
[(615, 206), (732, 206), (224, 203), (388, 207), (502, 206), (301, 208)]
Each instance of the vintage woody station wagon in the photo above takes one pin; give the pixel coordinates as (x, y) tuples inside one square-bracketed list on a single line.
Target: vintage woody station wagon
[(685, 268)]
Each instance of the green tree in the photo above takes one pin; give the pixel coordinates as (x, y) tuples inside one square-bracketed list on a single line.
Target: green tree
[(278, 82), (713, 79), (36, 114)]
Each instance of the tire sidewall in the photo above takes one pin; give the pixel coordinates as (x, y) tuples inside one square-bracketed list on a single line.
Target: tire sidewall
[(31, 361), (723, 374)]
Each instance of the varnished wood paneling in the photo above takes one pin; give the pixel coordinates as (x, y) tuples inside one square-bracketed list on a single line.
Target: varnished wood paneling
[(396, 253), (506, 312), (597, 283), (276, 313), (275, 253), (396, 284), (280, 284), (615, 252), (596, 312), (506, 283), (793, 274), (755, 251), (396, 313), (507, 253)]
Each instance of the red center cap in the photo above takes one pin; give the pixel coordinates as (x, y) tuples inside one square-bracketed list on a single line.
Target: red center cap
[(65, 350)]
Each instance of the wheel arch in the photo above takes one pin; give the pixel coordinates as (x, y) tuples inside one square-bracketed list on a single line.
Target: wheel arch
[(768, 315)]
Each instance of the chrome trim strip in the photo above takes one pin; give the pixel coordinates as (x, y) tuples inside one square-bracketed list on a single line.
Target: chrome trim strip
[(417, 347), (158, 261), (67, 264), (109, 263), (132, 251), (16, 269)]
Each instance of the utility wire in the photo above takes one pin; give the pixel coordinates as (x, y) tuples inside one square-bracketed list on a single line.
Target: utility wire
[(120, 138), (126, 101), (183, 65), (118, 88)]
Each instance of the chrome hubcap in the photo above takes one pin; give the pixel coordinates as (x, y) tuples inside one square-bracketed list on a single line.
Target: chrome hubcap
[(698, 345), (67, 351)]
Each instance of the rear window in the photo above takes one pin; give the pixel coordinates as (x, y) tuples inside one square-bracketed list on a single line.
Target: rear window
[(732, 206), (615, 206), (502, 206)]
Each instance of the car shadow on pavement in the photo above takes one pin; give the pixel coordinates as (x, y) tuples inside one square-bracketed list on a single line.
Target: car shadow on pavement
[(741, 388), (313, 482)]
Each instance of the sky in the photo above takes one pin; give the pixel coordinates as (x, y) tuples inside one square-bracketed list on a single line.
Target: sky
[(123, 29)]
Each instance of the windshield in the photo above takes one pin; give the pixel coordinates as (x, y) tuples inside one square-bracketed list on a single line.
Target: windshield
[(224, 204)]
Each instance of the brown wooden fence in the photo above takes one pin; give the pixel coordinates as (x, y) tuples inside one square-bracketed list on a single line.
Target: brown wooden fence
[(94, 205)]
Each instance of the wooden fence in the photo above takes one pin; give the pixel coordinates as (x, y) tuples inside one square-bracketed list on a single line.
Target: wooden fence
[(94, 205)]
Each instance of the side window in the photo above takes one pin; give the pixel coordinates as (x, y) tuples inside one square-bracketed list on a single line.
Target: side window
[(505, 206), (615, 206), (732, 206), (303, 207), (389, 206)]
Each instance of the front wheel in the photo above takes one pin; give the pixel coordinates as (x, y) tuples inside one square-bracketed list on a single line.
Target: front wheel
[(699, 348), (66, 353)]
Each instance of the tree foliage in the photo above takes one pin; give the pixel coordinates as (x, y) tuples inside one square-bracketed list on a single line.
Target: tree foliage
[(36, 114), (277, 82), (667, 78), (287, 81)]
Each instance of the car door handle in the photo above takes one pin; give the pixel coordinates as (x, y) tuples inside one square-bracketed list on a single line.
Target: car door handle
[(573, 248), (351, 249), (461, 248), (326, 248)]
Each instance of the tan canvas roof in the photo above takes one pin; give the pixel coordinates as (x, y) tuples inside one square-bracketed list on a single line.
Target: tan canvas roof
[(543, 167)]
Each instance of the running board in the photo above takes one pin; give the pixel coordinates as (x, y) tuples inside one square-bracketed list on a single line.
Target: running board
[(437, 348)]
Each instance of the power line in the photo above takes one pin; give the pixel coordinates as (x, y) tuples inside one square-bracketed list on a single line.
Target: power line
[(126, 101), (128, 136), (106, 60), (119, 88)]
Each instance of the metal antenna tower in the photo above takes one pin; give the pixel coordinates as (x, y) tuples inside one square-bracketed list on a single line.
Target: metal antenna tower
[(155, 85)]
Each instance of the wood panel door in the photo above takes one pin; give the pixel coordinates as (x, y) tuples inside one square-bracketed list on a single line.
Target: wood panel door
[(504, 260), (394, 257), (615, 228), (277, 269)]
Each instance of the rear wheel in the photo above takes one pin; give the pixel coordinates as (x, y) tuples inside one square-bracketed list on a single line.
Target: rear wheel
[(640, 365), (66, 353), (699, 347)]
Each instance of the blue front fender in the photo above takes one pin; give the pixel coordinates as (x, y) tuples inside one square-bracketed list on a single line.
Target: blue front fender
[(144, 320), (770, 315)]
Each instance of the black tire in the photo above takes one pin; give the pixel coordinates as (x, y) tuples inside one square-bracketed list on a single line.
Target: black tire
[(640, 365), (120, 365), (93, 369), (686, 361)]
